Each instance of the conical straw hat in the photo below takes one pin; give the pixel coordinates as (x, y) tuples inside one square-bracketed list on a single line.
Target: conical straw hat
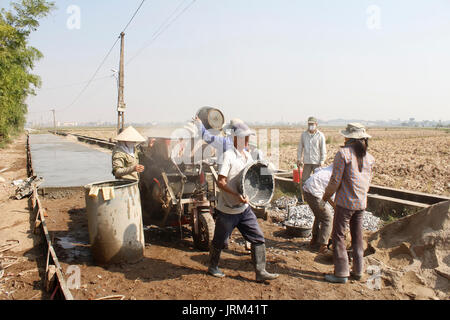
[(130, 134)]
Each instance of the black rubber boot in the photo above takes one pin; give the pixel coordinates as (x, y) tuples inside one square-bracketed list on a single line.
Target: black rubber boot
[(259, 262), (214, 256)]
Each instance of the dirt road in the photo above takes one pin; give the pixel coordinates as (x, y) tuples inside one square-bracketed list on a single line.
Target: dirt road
[(23, 263)]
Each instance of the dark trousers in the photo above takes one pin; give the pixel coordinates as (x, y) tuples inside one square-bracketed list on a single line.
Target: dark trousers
[(342, 217), (246, 223)]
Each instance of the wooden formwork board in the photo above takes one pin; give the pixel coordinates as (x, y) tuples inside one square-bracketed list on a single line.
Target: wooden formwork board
[(52, 259)]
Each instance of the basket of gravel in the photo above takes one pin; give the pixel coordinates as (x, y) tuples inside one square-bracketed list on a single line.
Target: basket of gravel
[(297, 231), (299, 221)]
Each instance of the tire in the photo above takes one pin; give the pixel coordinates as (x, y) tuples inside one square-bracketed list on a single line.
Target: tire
[(206, 225)]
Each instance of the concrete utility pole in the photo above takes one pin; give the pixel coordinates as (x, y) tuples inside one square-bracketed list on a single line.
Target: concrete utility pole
[(54, 119), (120, 101)]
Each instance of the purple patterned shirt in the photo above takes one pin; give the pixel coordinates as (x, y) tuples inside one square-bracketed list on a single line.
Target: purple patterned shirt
[(350, 185)]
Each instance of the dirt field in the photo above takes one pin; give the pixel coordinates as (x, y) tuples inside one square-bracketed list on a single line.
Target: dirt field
[(406, 158), (173, 269), (22, 278), (411, 159)]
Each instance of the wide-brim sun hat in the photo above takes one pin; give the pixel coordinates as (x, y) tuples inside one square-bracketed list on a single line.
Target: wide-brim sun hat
[(130, 134), (355, 131)]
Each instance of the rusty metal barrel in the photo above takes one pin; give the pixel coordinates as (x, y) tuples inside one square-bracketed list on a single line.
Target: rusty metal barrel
[(211, 118), (115, 221)]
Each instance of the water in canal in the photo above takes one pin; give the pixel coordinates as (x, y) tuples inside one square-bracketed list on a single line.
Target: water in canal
[(63, 163)]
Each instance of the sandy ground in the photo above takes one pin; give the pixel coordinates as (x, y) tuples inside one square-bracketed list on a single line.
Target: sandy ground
[(21, 280), (173, 269)]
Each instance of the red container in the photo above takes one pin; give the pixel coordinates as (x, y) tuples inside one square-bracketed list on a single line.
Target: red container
[(297, 175)]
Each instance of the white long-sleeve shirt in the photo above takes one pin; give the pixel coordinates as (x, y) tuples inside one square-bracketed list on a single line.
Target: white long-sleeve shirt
[(312, 147), (318, 181)]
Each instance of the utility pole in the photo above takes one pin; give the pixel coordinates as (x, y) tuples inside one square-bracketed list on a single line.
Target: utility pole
[(120, 101), (54, 120)]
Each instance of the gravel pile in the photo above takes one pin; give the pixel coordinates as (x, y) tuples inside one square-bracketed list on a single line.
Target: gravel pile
[(302, 216), (370, 222), (284, 202)]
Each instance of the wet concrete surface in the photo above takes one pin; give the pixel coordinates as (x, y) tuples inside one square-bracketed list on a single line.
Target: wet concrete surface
[(63, 163)]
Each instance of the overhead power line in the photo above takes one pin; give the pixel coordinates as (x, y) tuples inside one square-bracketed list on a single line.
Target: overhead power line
[(163, 27), (103, 61)]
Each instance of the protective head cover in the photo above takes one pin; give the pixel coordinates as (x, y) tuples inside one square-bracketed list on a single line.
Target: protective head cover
[(355, 131), (127, 147), (312, 123), (241, 130), (253, 142), (227, 128), (130, 134)]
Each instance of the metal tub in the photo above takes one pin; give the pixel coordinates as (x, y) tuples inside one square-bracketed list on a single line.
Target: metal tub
[(115, 225)]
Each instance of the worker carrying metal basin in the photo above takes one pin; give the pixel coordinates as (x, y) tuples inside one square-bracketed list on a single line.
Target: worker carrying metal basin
[(233, 209), (125, 160)]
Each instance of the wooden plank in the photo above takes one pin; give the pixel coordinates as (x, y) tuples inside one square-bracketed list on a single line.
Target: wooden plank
[(51, 252), (399, 201), (407, 195)]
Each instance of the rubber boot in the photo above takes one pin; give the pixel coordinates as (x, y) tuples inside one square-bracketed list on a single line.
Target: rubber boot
[(259, 262), (332, 278), (214, 256)]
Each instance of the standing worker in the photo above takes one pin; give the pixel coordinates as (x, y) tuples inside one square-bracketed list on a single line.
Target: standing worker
[(312, 150), (125, 161), (233, 209), (350, 180)]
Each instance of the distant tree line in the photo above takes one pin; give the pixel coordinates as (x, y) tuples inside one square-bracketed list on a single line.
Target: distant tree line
[(17, 59)]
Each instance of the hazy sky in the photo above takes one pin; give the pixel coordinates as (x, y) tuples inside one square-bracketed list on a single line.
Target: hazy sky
[(259, 60)]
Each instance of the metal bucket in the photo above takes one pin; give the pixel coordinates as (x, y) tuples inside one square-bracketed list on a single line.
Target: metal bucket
[(211, 118), (258, 183), (115, 225), (297, 231)]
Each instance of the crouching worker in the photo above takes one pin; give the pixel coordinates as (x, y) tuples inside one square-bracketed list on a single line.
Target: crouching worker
[(313, 190), (125, 161), (233, 209)]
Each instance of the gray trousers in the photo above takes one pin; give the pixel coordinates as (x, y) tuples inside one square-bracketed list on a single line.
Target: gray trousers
[(322, 226), (342, 217), (308, 170)]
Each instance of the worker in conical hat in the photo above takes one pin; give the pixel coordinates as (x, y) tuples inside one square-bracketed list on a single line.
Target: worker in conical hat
[(125, 161)]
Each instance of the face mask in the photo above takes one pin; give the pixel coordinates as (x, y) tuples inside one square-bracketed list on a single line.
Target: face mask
[(312, 127)]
